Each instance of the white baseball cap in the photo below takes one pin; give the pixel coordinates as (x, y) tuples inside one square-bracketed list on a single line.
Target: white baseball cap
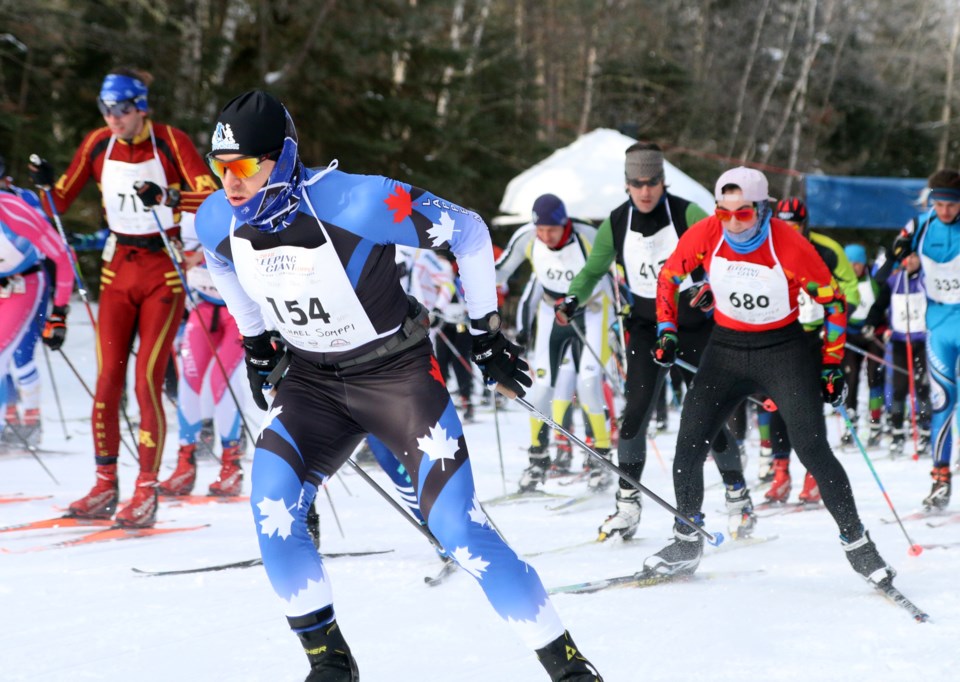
[(751, 182)]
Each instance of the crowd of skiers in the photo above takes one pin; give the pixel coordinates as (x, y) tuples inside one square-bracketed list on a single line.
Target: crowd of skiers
[(331, 299)]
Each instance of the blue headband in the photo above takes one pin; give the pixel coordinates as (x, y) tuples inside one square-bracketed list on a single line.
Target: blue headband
[(118, 88), (945, 194)]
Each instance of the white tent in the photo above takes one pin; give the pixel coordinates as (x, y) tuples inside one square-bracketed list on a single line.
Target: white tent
[(588, 176)]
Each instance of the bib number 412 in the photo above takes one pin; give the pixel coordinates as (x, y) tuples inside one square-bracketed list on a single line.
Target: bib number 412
[(297, 315)]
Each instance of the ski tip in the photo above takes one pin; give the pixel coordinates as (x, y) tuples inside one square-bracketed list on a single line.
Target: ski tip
[(602, 537), (717, 539), (915, 550)]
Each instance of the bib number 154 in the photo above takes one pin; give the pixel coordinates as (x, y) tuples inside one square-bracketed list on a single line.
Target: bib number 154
[(297, 315)]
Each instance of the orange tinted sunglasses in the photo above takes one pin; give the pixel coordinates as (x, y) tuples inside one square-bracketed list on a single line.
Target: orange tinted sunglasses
[(244, 167), (741, 214)]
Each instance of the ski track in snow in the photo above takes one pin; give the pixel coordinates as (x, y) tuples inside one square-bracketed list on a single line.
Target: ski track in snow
[(80, 613)]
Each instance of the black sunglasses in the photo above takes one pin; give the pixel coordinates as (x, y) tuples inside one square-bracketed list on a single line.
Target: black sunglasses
[(652, 182)]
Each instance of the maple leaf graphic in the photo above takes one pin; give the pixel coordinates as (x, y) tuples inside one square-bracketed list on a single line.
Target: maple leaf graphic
[(305, 600), (476, 513), (442, 232), (400, 203), (267, 420), (436, 445), (474, 565), (277, 518), (435, 371)]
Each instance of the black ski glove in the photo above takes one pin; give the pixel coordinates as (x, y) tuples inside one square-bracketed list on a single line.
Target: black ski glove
[(152, 194), (833, 386), (55, 329), (564, 309), (500, 362), (41, 172), (665, 350), (261, 357), (902, 246)]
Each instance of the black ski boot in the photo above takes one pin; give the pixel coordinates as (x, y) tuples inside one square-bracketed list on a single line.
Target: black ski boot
[(680, 557), (866, 560), (564, 662), (328, 653)]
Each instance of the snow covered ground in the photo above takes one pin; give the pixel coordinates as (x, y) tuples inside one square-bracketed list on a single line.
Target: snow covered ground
[(80, 613)]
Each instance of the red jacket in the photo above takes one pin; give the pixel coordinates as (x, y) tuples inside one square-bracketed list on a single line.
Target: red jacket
[(182, 164), (802, 266)]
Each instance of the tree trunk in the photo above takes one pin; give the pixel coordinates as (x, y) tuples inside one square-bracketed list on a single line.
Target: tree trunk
[(747, 72), (590, 76), (751, 141), (798, 95), (948, 93), (293, 65)]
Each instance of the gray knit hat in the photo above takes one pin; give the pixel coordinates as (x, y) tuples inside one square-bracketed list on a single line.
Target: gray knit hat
[(643, 163)]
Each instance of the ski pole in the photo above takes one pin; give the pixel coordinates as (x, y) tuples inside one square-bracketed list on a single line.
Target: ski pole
[(32, 450), (81, 288), (875, 358), (915, 549), (203, 327), (714, 538), (56, 393), (496, 424), (457, 354), (618, 309), (334, 510), (586, 344), (396, 505), (90, 393), (767, 404), (496, 416), (911, 378)]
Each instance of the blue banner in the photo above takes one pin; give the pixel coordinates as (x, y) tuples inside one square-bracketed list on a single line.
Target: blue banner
[(868, 203)]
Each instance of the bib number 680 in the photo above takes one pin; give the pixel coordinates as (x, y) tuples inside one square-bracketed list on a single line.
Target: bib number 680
[(748, 301)]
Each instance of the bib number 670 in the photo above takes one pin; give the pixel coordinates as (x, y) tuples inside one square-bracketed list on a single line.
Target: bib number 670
[(748, 301)]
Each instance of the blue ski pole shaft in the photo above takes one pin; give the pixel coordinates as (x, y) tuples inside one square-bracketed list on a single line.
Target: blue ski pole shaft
[(713, 538), (915, 549)]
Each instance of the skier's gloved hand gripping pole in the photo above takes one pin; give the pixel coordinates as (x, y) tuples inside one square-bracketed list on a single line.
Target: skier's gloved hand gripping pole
[(152, 196), (43, 179), (915, 549), (502, 365)]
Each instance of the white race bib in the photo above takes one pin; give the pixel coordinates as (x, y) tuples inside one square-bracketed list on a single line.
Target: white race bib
[(808, 311), (749, 292), (126, 214), (556, 268), (305, 293), (916, 305)]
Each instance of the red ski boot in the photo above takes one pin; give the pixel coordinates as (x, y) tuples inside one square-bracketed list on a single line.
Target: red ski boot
[(101, 501), (780, 488), (231, 475), (811, 491), (182, 479), (141, 510)]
